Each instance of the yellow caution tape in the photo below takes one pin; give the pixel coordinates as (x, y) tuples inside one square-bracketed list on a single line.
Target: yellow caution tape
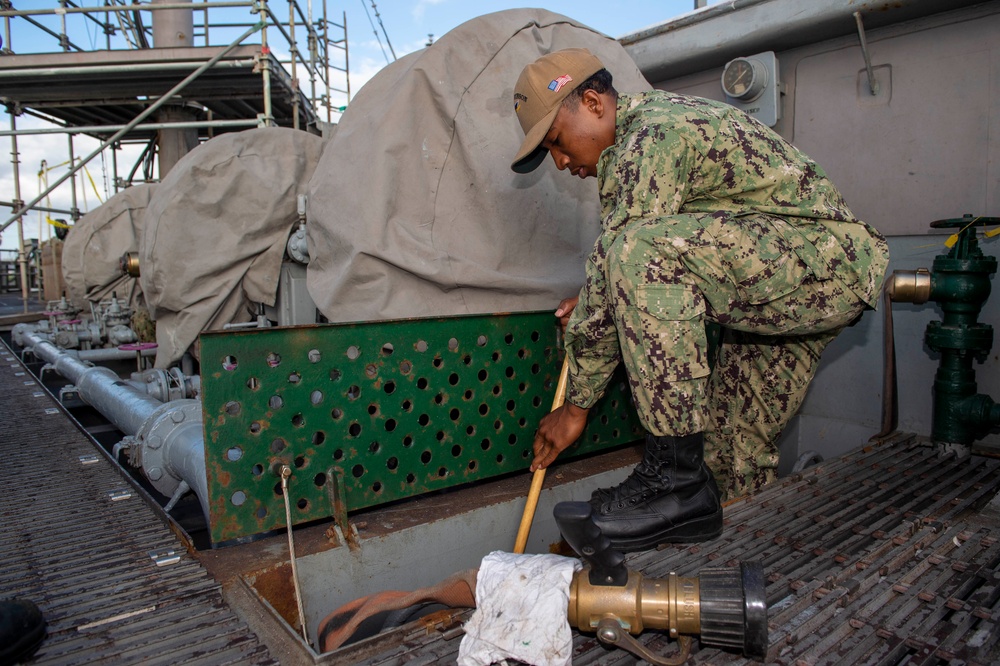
[(93, 184)]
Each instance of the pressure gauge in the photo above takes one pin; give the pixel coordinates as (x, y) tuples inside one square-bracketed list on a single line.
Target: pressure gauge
[(744, 79)]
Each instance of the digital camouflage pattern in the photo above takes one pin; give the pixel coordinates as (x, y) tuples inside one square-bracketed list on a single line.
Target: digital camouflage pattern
[(143, 325), (709, 215)]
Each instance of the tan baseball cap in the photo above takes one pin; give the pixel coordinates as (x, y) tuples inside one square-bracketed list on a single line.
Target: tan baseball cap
[(539, 91)]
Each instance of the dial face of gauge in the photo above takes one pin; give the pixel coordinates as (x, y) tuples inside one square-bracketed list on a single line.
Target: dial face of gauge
[(738, 78)]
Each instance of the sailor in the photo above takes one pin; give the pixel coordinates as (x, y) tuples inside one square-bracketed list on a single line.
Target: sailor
[(706, 216)]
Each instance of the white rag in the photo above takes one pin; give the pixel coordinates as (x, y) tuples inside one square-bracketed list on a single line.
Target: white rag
[(521, 605)]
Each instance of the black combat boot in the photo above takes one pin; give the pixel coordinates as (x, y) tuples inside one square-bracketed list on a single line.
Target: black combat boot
[(22, 629), (670, 497)]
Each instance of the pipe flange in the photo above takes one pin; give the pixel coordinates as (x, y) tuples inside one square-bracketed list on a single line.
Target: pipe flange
[(298, 246), (156, 436)]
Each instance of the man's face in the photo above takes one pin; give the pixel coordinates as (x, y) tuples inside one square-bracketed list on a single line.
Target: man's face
[(579, 134)]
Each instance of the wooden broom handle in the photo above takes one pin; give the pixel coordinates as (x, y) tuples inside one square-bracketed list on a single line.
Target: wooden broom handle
[(539, 476)]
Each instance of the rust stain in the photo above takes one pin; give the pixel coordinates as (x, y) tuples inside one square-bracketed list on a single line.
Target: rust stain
[(441, 620), (275, 585), (561, 548)]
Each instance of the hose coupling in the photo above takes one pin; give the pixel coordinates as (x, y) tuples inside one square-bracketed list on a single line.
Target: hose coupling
[(910, 286)]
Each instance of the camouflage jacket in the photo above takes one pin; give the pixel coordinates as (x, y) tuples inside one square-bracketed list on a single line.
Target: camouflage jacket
[(676, 154)]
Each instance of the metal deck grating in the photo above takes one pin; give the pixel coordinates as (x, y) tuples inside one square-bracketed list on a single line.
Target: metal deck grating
[(885, 556), (76, 539)]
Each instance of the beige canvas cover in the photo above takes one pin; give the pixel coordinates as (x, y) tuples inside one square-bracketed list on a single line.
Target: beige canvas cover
[(413, 209), (94, 246), (215, 231)]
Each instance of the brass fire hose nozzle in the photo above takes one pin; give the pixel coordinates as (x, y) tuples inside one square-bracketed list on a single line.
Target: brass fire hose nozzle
[(726, 606), (671, 604)]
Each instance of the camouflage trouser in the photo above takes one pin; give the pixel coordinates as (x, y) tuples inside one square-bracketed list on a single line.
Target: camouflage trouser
[(666, 277)]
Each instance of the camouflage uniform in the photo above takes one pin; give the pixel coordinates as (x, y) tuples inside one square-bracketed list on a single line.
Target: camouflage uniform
[(709, 215)]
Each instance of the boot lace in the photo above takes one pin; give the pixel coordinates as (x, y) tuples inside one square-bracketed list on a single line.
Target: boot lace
[(644, 478)]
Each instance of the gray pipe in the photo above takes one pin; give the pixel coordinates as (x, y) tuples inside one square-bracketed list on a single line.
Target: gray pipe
[(96, 129), (99, 355), (99, 387), (173, 27), (168, 436), (116, 69), (117, 8)]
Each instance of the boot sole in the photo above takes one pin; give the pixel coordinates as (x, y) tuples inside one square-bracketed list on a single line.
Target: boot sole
[(25, 647), (697, 530)]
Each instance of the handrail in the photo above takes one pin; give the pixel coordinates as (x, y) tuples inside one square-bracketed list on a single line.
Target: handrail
[(138, 119)]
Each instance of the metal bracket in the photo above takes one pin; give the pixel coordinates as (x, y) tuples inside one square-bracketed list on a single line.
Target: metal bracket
[(69, 393), (345, 531), (872, 82), (119, 495), (164, 557), (48, 367)]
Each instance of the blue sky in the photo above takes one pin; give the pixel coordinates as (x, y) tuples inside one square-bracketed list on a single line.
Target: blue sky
[(407, 22)]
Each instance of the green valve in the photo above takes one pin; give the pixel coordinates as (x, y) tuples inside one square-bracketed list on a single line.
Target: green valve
[(960, 285), (379, 411)]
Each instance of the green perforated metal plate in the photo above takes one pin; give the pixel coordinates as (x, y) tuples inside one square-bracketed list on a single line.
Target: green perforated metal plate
[(393, 408)]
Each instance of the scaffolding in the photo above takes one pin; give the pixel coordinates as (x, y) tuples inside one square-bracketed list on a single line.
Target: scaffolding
[(170, 75)]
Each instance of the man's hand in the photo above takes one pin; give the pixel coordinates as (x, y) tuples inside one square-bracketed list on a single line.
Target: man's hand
[(558, 430), (565, 309)]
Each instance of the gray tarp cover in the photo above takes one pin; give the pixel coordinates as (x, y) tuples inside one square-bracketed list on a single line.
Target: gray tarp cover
[(216, 228), (413, 209), (95, 244)]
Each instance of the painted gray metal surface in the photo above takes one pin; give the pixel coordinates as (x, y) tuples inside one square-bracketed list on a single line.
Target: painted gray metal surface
[(926, 147), (709, 38)]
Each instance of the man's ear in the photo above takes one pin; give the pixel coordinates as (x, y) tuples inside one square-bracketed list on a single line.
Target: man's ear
[(593, 102)]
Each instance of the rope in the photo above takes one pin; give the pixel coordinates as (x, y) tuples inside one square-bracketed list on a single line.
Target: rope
[(92, 184), (286, 472)]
